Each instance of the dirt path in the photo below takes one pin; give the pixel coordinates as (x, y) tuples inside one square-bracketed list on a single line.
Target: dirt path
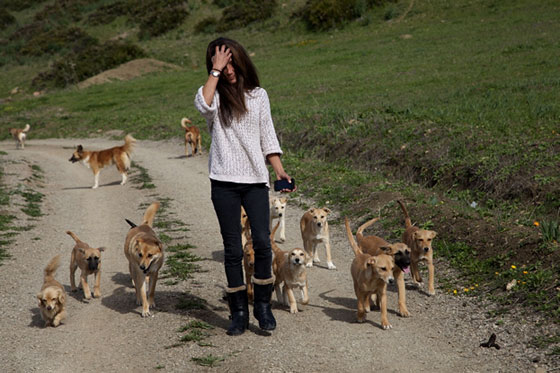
[(109, 335)]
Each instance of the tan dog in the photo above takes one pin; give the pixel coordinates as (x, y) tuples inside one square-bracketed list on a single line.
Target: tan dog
[(20, 135), (144, 252), (370, 275), (89, 261), (96, 160), (248, 257), (375, 245), (192, 138), (420, 243), (289, 269), (278, 211), (314, 229), (245, 227), (52, 297)]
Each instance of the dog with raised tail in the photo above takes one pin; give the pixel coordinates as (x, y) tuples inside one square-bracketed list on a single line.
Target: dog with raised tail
[(52, 297), (19, 135), (144, 252), (192, 138), (96, 160), (88, 259)]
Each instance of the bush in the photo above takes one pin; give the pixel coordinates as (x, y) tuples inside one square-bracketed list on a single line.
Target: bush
[(6, 19), (62, 11), (223, 3), (54, 41), (320, 15), (206, 26), (77, 66), (241, 13), (162, 21), (17, 5), (107, 13)]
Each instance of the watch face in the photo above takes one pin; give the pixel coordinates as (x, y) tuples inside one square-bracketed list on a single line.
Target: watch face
[(215, 73)]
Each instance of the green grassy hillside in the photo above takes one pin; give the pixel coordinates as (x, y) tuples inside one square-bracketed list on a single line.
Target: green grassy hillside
[(440, 103)]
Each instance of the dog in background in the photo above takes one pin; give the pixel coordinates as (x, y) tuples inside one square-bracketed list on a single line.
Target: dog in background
[(370, 274), (52, 297), (278, 211), (289, 269), (96, 160), (19, 135), (144, 252), (248, 255), (88, 259), (245, 227), (314, 229), (192, 138), (420, 243), (375, 245)]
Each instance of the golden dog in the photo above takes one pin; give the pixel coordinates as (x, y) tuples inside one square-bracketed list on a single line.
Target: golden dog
[(192, 138), (248, 257), (375, 245), (278, 211), (420, 243), (20, 135), (52, 297), (144, 252), (370, 275), (289, 269), (89, 261), (96, 160), (314, 229)]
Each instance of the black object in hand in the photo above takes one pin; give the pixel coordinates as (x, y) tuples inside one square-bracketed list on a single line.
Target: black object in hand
[(284, 184)]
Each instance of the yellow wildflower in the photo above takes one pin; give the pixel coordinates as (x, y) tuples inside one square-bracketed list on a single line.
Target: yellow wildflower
[(455, 292), (525, 272), (513, 267), (466, 290), (536, 223)]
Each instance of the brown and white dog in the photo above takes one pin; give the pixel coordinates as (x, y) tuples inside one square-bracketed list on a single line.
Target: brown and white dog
[(370, 274), (314, 229), (20, 135), (375, 245), (248, 255), (96, 160), (192, 138), (88, 259), (52, 297), (278, 211), (420, 243), (144, 252), (290, 272)]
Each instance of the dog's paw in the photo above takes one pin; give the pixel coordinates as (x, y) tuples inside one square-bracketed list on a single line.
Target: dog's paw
[(404, 313), (293, 309), (146, 313), (431, 292), (309, 265), (316, 260), (331, 265), (361, 320), (387, 326)]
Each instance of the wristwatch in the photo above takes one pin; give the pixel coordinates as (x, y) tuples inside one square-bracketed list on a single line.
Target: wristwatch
[(215, 73)]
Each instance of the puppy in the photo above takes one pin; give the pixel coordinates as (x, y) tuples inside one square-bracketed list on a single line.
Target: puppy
[(420, 243), (192, 138), (370, 274), (89, 261), (315, 229), (96, 160), (19, 135), (289, 269), (248, 258), (52, 297), (375, 245), (278, 211), (144, 252)]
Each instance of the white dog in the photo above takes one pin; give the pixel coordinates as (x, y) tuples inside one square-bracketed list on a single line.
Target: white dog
[(278, 211)]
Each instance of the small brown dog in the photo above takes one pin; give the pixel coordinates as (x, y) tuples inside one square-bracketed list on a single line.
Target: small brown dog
[(289, 269), (52, 297), (192, 138), (375, 245), (420, 243), (144, 252), (88, 259), (314, 229), (96, 160), (370, 275), (20, 135), (248, 258)]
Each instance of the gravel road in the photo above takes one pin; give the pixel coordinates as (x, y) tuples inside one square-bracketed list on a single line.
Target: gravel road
[(109, 335)]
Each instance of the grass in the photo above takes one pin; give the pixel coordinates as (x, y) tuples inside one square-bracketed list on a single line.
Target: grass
[(209, 360)]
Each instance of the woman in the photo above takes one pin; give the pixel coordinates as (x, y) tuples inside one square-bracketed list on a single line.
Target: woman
[(237, 113)]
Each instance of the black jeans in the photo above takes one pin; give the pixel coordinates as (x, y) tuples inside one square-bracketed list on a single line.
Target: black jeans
[(227, 199)]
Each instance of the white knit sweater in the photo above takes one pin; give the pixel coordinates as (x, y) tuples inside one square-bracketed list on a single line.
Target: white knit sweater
[(238, 151)]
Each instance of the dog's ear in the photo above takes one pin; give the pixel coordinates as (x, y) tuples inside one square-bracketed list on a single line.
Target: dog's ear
[(61, 298), (369, 262), (433, 234), (387, 249), (283, 200), (40, 296), (311, 210), (102, 248), (80, 148), (327, 210), (82, 250)]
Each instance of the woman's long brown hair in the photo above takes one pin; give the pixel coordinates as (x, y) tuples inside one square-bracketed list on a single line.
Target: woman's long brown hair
[(232, 96)]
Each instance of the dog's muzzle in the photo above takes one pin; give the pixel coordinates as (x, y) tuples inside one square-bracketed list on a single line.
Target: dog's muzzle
[(49, 308), (426, 249), (93, 263), (146, 269), (73, 160)]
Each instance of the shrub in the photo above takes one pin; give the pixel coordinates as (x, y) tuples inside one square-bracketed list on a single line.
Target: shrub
[(207, 25), (241, 13), (62, 11), (17, 5), (77, 66), (223, 3), (6, 19), (162, 21), (320, 15), (57, 40), (107, 13)]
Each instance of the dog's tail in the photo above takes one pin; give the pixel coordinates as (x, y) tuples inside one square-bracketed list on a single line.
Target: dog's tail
[(275, 247), (132, 225), (129, 142), (26, 128), (407, 221), (51, 268), (150, 214), (71, 234), (353, 243), (360, 231), (184, 122)]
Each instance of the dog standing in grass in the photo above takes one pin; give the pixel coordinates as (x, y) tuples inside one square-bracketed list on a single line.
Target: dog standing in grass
[(20, 135), (192, 138)]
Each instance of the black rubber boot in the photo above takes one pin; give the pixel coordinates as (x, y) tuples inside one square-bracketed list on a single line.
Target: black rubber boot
[(239, 309), (261, 303)]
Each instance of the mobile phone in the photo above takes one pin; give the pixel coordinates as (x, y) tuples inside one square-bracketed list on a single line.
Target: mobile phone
[(284, 184)]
